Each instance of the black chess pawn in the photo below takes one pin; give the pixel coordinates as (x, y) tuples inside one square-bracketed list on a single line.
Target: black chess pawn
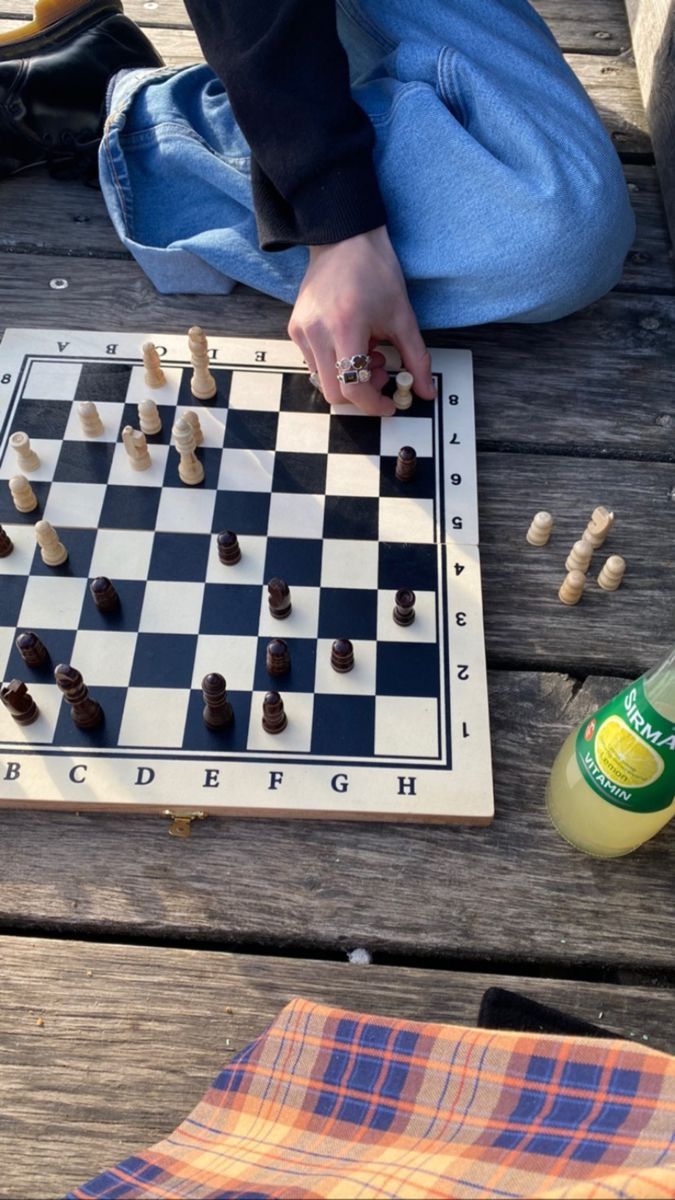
[(274, 718), (228, 548), (406, 464), (342, 655), (6, 543), (86, 713), (18, 702), (279, 596), (404, 606), (277, 658), (103, 594), (217, 708), (31, 649)]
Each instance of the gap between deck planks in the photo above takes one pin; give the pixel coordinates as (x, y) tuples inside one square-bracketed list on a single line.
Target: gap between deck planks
[(131, 1037)]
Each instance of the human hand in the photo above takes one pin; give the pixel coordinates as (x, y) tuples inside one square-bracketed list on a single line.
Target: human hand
[(353, 295)]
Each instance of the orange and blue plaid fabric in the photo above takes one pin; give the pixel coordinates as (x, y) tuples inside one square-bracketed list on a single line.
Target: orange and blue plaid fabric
[(329, 1103)]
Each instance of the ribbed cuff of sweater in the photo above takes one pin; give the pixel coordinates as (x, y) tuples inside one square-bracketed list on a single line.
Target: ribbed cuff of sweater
[(338, 203)]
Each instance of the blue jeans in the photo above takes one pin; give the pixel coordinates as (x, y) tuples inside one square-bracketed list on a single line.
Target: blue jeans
[(505, 197)]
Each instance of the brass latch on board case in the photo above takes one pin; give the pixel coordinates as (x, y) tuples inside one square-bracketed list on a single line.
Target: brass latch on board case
[(181, 822)]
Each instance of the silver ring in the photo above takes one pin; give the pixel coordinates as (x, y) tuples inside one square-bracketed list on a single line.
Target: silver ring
[(354, 369)]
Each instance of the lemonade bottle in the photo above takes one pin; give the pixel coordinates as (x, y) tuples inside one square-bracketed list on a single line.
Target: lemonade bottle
[(612, 786)]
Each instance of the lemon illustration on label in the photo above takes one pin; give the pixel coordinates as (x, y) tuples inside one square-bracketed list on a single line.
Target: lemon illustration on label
[(623, 757)]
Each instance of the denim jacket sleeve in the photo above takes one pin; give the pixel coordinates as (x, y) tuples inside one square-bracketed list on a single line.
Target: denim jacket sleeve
[(287, 79)]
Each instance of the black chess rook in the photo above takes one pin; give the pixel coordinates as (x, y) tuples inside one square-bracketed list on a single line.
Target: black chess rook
[(6, 543), (342, 655), (279, 596), (406, 464), (31, 649), (404, 606), (103, 594), (274, 718), (277, 657), (18, 702), (86, 713), (217, 708), (229, 551)]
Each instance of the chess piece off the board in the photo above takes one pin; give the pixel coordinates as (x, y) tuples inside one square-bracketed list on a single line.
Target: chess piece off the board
[(90, 418), (19, 703), (202, 384), (342, 655), (85, 711), (217, 708), (229, 552), (277, 657), (599, 526), (136, 448), (22, 494), (406, 464), (6, 543), (403, 396), (26, 458), (154, 375), (579, 557), (274, 718), (572, 587), (104, 594), (404, 606), (540, 528), (279, 598), (149, 418), (190, 470), (612, 573), (32, 650), (52, 549)]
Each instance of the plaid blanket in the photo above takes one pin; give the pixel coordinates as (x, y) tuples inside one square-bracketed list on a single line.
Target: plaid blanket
[(329, 1103)]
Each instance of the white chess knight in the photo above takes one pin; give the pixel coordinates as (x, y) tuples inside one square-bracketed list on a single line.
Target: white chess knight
[(52, 550), (202, 384), (90, 419), (26, 458), (137, 448), (190, 470)]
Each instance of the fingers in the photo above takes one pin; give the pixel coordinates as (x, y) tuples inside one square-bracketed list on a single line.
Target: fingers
[(365, 396), (408, 341)]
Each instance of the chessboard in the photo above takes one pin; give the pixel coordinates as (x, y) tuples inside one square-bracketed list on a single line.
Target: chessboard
[(313, 497)]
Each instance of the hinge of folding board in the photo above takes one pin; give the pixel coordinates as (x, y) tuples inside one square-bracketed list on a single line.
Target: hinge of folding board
[(181, 822)]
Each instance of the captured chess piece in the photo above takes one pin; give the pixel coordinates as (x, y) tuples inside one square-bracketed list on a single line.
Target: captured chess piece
[(86, 713), (403, 396), (52, 550), (6, 543), (279, 598), (274, 719), (579, 557), (32, 650), (202, 384), (193, 421), (406, 464), (277, 657), (103, 594), (154, 375), (23, 496), (540, 529), (342, 655), (404, 606), (26, 458), (149, 418), (599, 526), (229, 551), (572, 587), (90, 418), (19, 703), (217, 708), (612, 573), (137, 448), (190, 470)]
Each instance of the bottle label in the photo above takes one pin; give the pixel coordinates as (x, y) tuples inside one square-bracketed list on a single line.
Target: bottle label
[(626, 752)]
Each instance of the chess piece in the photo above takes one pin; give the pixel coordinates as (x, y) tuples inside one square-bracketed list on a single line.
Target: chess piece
[(19, 703), (52, 551), (32, 650), (103, 594), (274, 719), (342, 655), (277, 658), (392, 358), (579, 557), (90, 418), (202, 384), (406, 464), (26, 458), (612, 573), (137, 448), (540, 529), (279, 598), (404, 606), (403, 396), (217, 708), (229, 552), (6, 543), (149, 418), (193, 420), (23, 495), (190, 470), (599, 526), (86, 713), (154, 375), (572, 587)]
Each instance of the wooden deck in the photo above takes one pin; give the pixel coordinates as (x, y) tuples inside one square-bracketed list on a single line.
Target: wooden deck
[(133, 964)]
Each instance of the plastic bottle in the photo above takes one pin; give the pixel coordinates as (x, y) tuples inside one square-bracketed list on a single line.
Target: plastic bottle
[(612, 786)]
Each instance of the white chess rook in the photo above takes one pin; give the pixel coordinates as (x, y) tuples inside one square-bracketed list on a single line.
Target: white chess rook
[(154, 375), (137, 448), (190, 470), (193, 420), (23, 496), (52, 550), (26, 459), (403, 397), (90, 418), (202, 384), (149, 418)]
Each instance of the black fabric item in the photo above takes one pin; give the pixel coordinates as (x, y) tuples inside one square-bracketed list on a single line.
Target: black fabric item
[(287, 79), (501, 1009), (52, 85)]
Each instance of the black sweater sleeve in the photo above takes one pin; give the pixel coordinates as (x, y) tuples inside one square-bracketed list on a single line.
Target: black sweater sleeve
[(287, 79)]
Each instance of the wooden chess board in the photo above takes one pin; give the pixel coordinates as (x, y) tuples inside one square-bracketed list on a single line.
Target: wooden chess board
[(313, 498)]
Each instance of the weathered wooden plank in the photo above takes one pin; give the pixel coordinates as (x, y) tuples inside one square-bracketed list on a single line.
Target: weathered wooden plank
[(131, 1037), (510, 893), (653, 37)]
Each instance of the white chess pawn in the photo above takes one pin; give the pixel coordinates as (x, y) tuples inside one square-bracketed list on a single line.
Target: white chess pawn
[(137, 448), (579, 557), (53, 551), (202, 384), (192, 418), (190, 470), (26, 459), (23, 496), (149, 418), (403, 397), (154, 375), (540, 529), (612, 573), (90, 419)]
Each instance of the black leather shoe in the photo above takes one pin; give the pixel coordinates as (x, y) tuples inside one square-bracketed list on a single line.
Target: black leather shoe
[(53, 78)]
